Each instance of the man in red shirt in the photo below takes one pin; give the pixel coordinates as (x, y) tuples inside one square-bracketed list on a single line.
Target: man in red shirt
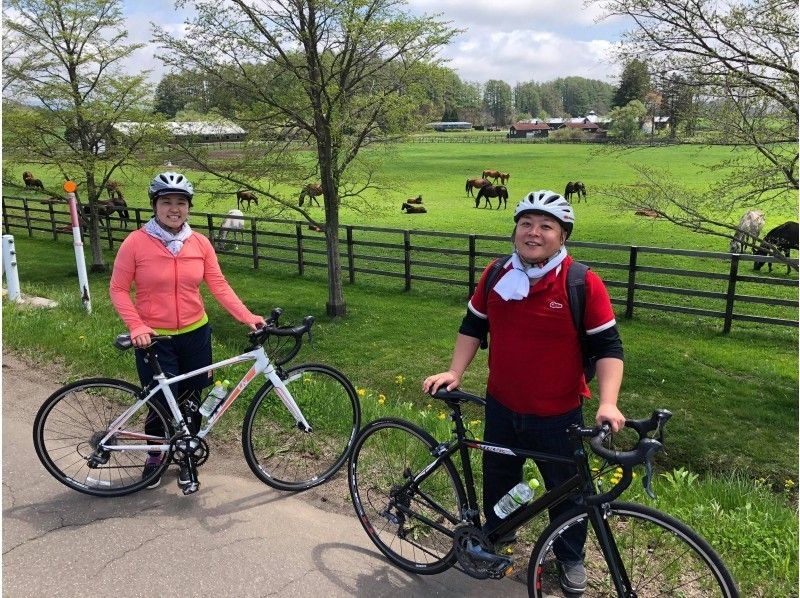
[(536, 383)]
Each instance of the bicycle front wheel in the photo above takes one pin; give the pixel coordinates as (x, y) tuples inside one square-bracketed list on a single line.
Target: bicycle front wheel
[(282, 455), (73, 420), (661, 556), (412, 525)]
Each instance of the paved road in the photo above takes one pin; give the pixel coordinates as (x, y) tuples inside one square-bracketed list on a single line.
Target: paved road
[(235, 537)]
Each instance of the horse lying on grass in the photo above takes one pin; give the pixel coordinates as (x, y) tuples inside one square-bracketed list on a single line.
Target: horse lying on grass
[(409, 209)]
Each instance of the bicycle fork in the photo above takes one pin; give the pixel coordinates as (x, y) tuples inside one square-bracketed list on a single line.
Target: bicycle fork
[(598, 518)]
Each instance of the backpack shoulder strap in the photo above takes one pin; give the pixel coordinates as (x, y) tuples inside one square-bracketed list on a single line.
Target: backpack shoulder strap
[(576, 291), (494, 275)]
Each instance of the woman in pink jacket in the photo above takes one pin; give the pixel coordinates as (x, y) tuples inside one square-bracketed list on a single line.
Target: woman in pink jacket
[(166, 262)]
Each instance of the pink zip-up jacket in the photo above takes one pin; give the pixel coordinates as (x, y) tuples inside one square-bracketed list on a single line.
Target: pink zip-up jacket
[(167, 293)]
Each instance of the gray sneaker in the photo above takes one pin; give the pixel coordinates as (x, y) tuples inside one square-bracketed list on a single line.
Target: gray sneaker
[(572, 577)]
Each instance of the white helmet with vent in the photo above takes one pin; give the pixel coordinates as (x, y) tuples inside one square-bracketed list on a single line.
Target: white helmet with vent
[(170, 182), (549, 203)]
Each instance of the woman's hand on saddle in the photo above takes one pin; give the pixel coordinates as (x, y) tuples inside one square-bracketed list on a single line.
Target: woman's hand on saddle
[(141, 341), (448, 379)]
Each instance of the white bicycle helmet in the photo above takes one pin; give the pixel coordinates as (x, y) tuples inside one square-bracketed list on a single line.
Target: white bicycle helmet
[(170, 182), (550, 203)]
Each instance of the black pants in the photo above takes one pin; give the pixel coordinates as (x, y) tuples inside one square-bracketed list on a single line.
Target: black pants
[(182, 353), (501, 472)]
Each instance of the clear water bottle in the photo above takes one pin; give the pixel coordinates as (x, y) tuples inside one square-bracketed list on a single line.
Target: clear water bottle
[(515, 498), (214, 398)]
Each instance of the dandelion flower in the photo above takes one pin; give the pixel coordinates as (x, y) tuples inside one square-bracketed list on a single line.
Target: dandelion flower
[(381, 399), (442, 415), (788, 484), (399, 379), (361, 392)]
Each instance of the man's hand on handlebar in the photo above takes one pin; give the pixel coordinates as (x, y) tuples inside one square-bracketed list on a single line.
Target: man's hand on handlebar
[(608, 413)]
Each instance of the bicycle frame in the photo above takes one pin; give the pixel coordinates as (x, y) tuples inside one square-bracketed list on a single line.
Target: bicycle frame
[(163, 384)]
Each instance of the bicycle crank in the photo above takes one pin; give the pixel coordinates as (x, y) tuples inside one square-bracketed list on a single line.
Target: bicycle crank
[(474, 554)]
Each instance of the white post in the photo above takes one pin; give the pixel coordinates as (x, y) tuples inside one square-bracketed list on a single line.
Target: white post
[(10, 268), (77, 241)]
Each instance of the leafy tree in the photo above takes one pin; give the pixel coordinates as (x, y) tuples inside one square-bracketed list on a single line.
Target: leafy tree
[(741, 57), (526, 98), (497, 101), (678, 104), (70, 92), (626, 122), (170, 97), (634, 83), (335, 75)]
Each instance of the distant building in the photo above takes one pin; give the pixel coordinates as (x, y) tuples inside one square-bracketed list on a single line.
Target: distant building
[(528, 128), (660, 123), (198, 130), (450, 126)]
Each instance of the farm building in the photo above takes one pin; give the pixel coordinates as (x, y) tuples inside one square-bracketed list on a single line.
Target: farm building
[(198, 130), (450, 126), (527, 128)]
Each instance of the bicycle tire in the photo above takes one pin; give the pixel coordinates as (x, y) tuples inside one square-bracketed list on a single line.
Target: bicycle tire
[(387, 452), (287, 458), (662, 557), (73, 419)]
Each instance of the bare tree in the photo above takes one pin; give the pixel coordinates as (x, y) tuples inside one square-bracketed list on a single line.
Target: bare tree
[(69, 94), (334, 75), (740, 59)]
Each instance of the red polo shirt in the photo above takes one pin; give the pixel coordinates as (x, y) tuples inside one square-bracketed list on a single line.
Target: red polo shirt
[(535, 363)]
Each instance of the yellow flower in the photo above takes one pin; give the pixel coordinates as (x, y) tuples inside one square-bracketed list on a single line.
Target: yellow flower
[(381, 399), (442, 415), (361, 392), (81, 337), (788, 484), (399, 379), (475, 422)]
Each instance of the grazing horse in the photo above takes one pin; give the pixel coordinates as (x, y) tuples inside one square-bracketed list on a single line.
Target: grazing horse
[(498, 191), (107, 208), (747, 232), (246, 196), (496, 174), (31, 181), (114, 189), (781, 239), (312, 190), (416, 200), (475, 184), (575, 188), (409, 209), (233, 223)]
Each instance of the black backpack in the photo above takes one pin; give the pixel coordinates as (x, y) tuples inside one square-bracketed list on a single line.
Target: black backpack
[(576, 295)]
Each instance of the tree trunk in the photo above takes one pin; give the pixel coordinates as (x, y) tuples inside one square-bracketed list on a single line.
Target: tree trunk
[(336, 306), (98, 263)]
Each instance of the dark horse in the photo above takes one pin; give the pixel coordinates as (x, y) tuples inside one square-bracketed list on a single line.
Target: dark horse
[(312, 190), (245, 196), (413, 209), (498, 191), (475, 184), (31, 181), (781, 239), (106, 209), (577, 187)]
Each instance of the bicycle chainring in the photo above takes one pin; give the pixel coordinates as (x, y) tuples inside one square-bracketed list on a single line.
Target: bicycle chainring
[(198, 447), (475, 554)]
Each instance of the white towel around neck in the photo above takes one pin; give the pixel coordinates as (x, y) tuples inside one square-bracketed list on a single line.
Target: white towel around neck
[(515, 284)]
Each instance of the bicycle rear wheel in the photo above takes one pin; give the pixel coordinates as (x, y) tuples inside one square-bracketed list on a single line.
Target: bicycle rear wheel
[(287, 458), (73, 420), (413, 527), (661, 555)]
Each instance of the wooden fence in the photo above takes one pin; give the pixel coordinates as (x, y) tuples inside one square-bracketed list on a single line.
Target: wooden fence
[(709, 284)]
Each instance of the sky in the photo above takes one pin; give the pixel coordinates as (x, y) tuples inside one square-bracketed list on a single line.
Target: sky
[(511, 40)]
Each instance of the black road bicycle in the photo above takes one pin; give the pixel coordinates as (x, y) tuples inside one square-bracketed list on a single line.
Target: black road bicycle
[(418, 510)]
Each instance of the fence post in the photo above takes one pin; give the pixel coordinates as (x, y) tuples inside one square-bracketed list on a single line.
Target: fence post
[(138, 217), (471, 272), (52, 220), (27, 217), (351, 262), (300, 263), (254, 240), (210, 224), (731, 294), (109, 231), (631, 280), (407, 257)]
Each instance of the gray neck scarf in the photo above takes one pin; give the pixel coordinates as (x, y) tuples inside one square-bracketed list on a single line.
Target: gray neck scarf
[(173, 242)]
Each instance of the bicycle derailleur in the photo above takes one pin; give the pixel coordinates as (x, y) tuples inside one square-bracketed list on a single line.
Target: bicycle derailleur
[(475, 554)]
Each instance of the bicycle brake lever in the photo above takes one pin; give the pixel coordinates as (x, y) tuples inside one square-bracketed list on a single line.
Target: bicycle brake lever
[(647, 481), (310, 340)]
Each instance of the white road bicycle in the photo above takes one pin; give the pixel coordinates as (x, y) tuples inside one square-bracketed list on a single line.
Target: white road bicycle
[(297, 433)]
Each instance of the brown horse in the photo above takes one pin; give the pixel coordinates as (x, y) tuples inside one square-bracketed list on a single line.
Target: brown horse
[(31, 181), (475, 184), (246, 196), (312, 190), (114, 189), (106, 209), (409, 209), (575, 188), (416, 200), (495, 175), (498, 191)]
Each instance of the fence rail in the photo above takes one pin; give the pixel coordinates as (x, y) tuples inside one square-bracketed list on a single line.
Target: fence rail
[(707, 284)]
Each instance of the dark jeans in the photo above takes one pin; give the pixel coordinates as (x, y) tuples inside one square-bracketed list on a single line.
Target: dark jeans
[(182, 353), (501, 472)]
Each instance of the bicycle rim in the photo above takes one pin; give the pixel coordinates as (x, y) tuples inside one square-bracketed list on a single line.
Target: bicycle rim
[(75, 418), (413, 528), (287, 458), (662, 557)]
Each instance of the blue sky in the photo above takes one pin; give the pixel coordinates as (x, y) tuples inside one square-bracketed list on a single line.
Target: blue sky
[(512, 40)]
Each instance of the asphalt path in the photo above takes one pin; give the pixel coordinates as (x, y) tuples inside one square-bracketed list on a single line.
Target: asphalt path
[(235, 537)]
